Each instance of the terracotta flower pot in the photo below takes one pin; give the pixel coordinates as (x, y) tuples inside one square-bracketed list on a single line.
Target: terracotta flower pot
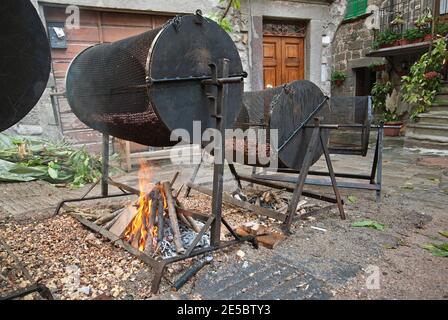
[(418, 40), (427, 37), (339, 82), (404, 42), (392, 132)]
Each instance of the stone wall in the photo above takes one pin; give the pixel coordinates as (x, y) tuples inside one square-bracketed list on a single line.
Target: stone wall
[(353, 40)]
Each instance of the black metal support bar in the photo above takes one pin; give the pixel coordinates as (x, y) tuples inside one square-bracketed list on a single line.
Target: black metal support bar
[(230, 78), (218, 167), (332, 177), (274, 182), (39, 288), (183, 279), (105, 162), (307, 162), (235, 175), (379, 170), (304, 123)]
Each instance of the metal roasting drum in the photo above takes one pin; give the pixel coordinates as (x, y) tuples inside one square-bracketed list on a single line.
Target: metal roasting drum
[(285, 108), (24, 60), (144, 87)]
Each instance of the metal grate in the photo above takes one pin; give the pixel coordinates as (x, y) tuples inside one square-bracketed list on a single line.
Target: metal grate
[(351, 111), (411, 10)]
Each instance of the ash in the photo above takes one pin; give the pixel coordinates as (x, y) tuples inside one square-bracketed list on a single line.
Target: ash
[(167, 247)]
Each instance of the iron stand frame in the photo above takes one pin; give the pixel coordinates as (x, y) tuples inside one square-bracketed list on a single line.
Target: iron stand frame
[(374, 178), (297, 190), (220, 79)]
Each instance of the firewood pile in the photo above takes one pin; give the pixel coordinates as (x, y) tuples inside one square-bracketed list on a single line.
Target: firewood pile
[(277, 200)]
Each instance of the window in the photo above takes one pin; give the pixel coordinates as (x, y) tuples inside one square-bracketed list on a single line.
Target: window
[(443, 6), (356, 8)]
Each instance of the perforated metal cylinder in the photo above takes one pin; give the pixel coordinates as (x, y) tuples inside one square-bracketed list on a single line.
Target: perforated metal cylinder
[(128, 89), (24, 60), (284, 108)]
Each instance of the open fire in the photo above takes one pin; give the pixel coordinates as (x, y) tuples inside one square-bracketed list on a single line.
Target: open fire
[(154, 225), (143, 232)]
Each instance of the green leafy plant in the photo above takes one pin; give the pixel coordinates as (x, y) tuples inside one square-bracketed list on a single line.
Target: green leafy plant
[(413, 34), (369, 224), (27, 159), (441, 29), (424, 20), (421, 85), (384, 38), (338, 75), (222, 19), (352, 199), (398, 20), (379, 94), (438, 250)]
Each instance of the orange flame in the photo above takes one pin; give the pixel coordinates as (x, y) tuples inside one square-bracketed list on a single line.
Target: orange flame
[(137, 231)]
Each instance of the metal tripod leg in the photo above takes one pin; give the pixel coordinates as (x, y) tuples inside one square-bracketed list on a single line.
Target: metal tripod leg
[(235, 175), (333, 178), (307, 162)]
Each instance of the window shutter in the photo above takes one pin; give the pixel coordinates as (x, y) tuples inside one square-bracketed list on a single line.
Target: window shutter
[(355, 8)]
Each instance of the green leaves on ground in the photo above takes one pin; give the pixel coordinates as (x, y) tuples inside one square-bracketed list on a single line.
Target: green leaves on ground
[(369, 224), (438, 250), (25, 159), (352, 199), (444, 233)]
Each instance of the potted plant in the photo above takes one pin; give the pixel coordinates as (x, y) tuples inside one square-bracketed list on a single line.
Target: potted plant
[(338, 77), (441, 29), (393, 108), (386, 39), (420, 87), (413, 35), (391, 119), (377, 67)]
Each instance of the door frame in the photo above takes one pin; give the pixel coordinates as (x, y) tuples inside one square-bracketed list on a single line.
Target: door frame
[(300, 30)]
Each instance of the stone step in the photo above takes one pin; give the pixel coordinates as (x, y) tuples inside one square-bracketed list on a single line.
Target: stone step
[(441, 101), (436, 133), (439, 105), (443, 89), (442, 96), (418, 141), (433, 118)]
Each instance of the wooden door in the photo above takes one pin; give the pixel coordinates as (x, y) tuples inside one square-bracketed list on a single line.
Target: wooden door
[(283, 60)]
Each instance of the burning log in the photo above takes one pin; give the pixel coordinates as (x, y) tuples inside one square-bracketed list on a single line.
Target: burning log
[(154, 195), (184, 220), (173, 217), (193, 224), (160, 220), (123, 221)]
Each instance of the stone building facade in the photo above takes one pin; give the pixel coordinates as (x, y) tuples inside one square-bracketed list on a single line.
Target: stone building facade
[(52, 117), (351, 44)]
